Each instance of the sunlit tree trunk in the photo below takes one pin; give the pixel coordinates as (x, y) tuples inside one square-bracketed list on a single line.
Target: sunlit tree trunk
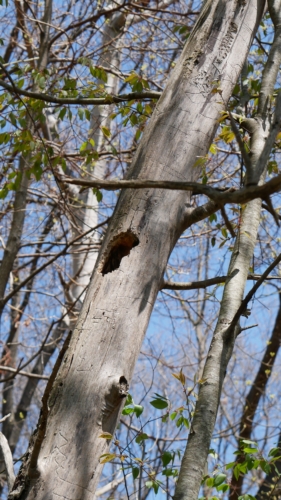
[(263, 128), (92, 382)]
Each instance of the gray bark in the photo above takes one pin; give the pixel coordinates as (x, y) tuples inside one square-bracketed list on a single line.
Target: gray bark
[(262, 129), (87, 395), (269, 77), (14, 239)]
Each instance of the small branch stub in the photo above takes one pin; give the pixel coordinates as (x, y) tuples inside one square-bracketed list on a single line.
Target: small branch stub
[(8, 460)]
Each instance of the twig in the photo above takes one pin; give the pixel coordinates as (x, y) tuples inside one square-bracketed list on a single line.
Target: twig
[(39, 269), (227, 222), (252, 292), (5, 418), (8, 459), (23, 373)]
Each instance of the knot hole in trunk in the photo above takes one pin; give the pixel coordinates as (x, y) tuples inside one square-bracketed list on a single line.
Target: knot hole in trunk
[(119, 247)]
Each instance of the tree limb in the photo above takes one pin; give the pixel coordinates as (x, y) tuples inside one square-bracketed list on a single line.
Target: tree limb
[(218, 195), (109, 99), (194, 285)]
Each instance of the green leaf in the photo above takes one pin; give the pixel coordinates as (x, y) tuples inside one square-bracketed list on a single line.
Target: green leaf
[(61, 114), (83, 146), (210, 482), (274, 451), (230, 465), (148, 109), (128, 410), (103, 75), (159, 404), (166, 458), (223, 487), (213, 149), (201, 161), (250, 450), (3, 192), (248, 441), (138, 409), (219, 479), (265, 466), (213, 218), (155, 487), (186, 423), (213, 453), (180, 421), (98, 194), (236, 472), (69, 84), (81, 113), (138, 134), (106, 435), (106, 132), (141, 437), (13, 119), (107, 457), (133, 119), (129, 400), (135, 471)]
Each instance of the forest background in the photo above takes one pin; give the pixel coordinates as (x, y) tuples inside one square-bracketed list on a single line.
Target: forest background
[(52, 230)]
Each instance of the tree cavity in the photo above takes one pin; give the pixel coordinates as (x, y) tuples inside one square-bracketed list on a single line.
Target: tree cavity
[(119, 247)]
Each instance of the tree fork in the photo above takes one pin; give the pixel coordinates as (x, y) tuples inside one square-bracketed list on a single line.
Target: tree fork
[(115, 314)]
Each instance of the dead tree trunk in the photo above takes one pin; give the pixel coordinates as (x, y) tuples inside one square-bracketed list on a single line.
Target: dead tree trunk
[(91, 384)]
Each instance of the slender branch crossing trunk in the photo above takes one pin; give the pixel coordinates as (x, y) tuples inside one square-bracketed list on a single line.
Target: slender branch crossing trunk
[(93, 380)]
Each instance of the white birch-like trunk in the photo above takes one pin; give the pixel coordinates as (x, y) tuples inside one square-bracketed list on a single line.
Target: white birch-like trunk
[(86, 397), (87, 214)]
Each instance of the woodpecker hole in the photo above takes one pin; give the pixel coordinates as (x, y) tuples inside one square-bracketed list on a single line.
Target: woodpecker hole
[(120, 246), (123, 387)]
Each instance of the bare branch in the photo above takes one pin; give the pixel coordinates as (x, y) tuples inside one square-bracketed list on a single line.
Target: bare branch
[(5, 418), (39, 269), (194, 285), (109, 99), (8, 460), (252, 292), (218, 195), (23, 373)]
